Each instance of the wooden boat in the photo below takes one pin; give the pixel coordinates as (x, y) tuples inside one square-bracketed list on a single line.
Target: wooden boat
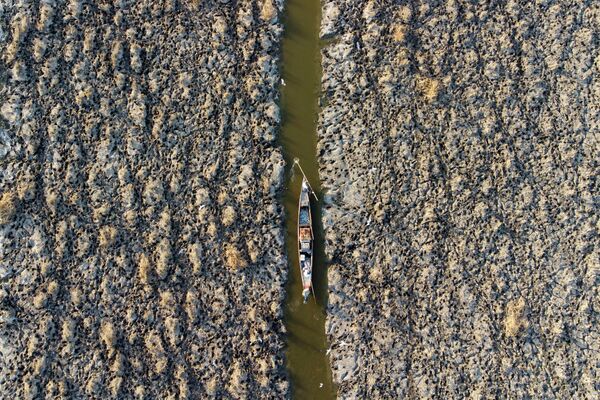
[(305, 239)]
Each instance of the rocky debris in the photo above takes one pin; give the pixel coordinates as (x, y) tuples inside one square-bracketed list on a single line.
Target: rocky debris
[(139, 222), (458, 146)]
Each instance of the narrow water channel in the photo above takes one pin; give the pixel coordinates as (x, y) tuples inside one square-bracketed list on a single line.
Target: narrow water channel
[(307, 361)]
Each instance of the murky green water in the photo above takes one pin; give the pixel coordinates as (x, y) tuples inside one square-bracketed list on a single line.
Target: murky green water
[(307, 362)]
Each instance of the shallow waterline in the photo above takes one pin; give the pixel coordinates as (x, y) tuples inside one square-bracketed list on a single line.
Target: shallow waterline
[(306, 353)]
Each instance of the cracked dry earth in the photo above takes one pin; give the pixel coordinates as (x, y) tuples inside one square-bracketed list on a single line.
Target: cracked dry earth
[(141, 249), (459, 147)]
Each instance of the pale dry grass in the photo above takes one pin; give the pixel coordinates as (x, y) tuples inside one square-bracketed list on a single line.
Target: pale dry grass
[(167, 300), (115, 386), (404, 13), (229, 215), (182, 379), (268, 11), (144, 269), (173, 330), (154, 346), (233, 258), (40, 300), (108, 237), (7, 207), (428, 88), (108, 335), (191, 306), (195, 257), (515, 317), (163, 258), (399, 33)]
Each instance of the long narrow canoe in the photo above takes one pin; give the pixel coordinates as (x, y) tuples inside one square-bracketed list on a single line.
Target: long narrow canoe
[(305, 239)]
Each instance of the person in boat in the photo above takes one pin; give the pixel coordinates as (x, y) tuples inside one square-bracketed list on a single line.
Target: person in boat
[(305, 295), (306, 277)]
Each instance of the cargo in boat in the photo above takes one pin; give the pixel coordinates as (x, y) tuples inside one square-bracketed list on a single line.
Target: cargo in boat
[(305, 239)]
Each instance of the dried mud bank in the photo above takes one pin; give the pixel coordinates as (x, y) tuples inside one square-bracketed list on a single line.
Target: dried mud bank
[(140, 235), (459, 148)]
